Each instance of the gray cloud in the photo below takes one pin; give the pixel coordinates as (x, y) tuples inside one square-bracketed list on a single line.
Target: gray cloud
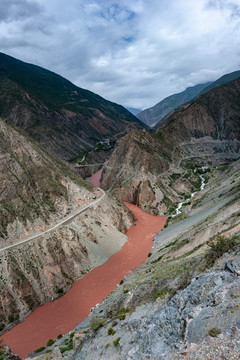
[(133, 52), (18, 9)]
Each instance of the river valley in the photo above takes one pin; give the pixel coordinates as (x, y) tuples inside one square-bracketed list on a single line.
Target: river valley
[(63, 314)]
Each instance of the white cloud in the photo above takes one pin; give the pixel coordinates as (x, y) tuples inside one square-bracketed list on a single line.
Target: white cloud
[(133, 52)]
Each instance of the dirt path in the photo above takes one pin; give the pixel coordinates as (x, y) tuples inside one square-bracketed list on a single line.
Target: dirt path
[(62, 222), (62, 315)]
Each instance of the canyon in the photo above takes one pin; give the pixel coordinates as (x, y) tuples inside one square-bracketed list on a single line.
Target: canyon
[(161, 293)]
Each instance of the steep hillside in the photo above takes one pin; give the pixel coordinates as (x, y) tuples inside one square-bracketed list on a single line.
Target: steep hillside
[(157, 113), (66, 120), (37, 193), (186, 293), (204, 132)]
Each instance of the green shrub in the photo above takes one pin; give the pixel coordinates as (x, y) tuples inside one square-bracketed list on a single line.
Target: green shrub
[(111, 331), (2, 354), (115, 342), (122, 311), (11, 318), (149, 254), (122, 317), (50, 342), (39, 349), (59, 336), (160, 293), (214, 332), (121, 282), (217, 247), (96, 323)]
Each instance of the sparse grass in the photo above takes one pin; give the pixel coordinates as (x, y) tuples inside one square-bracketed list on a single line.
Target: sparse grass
[(218, 246), (115, 342), (214, 332), (96, 323), (111, 331), (160, 293)]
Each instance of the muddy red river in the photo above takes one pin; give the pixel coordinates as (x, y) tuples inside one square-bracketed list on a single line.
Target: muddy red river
[(62, 315)]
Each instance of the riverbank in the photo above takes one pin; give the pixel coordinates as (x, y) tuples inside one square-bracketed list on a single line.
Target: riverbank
[(63, 314)]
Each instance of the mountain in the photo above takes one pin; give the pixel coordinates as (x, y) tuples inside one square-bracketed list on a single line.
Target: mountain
[(38, 192), (66, 120), (134, 111), (156, 114), (186, 293), (157, 170), (221, 81)]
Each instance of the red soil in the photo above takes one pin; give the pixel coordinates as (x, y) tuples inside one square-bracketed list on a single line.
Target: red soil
[(63, 314)]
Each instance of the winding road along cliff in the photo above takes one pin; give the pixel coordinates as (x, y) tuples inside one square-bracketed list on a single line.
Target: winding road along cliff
[(63, 314)]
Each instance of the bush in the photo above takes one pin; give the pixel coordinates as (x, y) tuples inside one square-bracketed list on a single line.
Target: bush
[(50, 342), (122, 317), (111, 331), (115, 342), (214, 332), (121, 282), (39, 349), (160, 293), (149, 254), (59, 336), (96, 323), (217, 247), (11, 318)]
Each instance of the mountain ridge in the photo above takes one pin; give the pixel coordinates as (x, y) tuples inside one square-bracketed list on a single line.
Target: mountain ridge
[(66, 120), (154, 115)]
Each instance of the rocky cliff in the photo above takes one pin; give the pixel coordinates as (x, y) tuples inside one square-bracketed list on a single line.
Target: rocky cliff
[(37, 192)]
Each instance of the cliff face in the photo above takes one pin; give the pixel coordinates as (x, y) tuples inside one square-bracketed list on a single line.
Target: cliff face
[(66, 120), (204, 132), (37, 192)]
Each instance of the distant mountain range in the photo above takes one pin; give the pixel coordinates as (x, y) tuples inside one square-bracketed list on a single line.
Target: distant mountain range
[(221, 81), (66, 120), (155, 115), (134, 111)]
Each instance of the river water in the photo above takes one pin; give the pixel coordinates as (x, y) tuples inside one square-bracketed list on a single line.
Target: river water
[(62, 315)]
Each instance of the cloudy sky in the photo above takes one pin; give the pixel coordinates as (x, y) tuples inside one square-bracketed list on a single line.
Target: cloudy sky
[(133, 52)]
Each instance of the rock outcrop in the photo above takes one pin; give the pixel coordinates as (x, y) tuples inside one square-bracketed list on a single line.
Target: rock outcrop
[(153, 331)]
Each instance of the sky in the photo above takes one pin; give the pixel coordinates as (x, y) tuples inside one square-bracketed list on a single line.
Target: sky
[(132, 52)]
